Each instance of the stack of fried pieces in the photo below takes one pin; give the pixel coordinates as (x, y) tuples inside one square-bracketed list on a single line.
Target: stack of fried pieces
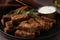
[(22, 25)]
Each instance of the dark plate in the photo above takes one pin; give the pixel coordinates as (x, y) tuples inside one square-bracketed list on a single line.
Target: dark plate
[(46, 34)]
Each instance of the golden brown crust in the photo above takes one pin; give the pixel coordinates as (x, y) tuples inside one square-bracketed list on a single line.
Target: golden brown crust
[(24, 34)]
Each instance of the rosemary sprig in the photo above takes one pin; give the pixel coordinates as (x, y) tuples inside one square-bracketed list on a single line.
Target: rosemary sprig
[(32, 14), (15, 12), (20, 12)]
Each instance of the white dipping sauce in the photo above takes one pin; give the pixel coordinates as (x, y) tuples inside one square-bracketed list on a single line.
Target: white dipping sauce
[(47, 10)]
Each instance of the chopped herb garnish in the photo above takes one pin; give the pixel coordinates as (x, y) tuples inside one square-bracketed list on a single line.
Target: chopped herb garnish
[(20, 12), (32, 14), (15, 12)]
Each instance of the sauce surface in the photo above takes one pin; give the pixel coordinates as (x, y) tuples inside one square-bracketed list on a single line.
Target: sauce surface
[(47, 10)]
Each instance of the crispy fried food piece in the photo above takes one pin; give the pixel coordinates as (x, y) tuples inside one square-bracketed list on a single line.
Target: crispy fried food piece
[(9, 30), (9, 27), (33, 23), (24, 34), (6, 29), (19, 16), (45, 23), (52, 16), (9, 24), (5, 18), (30, 25), (16, 17)]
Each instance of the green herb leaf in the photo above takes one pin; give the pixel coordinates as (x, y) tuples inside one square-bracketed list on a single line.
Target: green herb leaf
[(20, 12), (15, 12), (32, 14)]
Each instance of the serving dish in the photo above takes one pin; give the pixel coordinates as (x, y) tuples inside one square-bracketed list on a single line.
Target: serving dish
[(46, 34)]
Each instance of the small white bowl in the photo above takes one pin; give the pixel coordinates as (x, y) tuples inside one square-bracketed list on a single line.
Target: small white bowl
[(47, 10)]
